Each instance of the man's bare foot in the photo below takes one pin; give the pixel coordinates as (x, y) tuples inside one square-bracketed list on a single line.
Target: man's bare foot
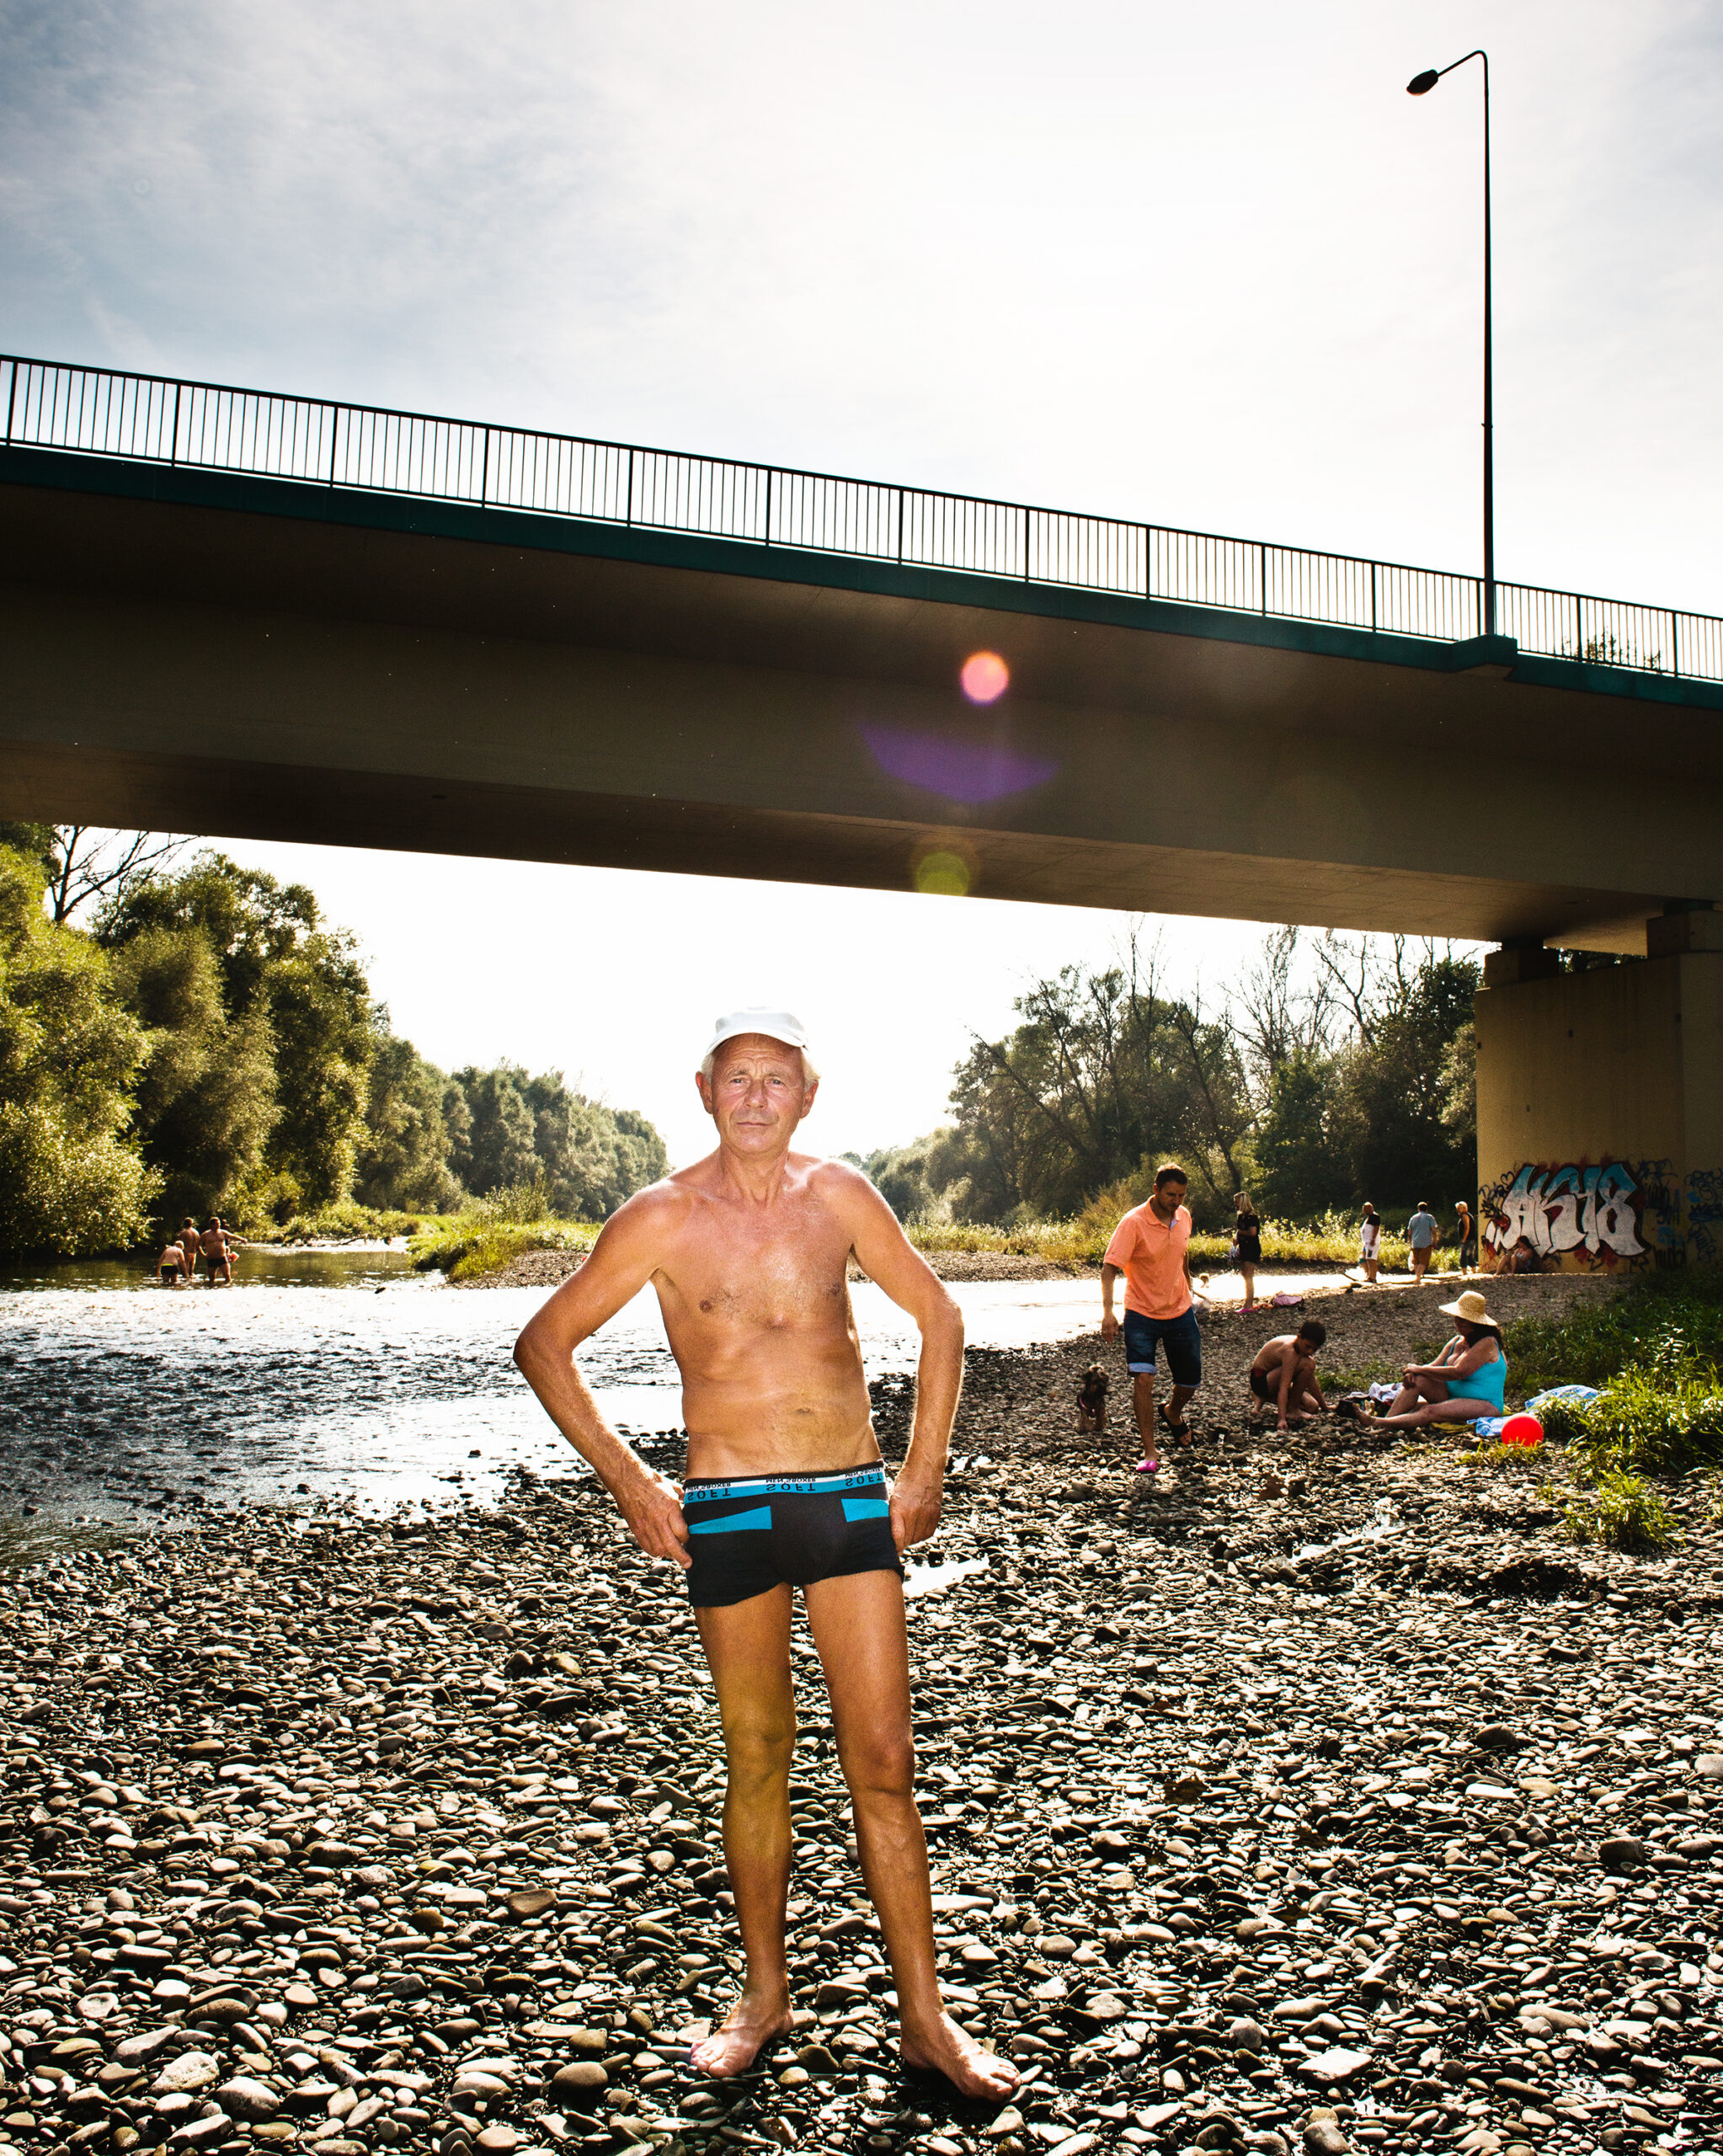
[(947, 2049), (739, 2038)]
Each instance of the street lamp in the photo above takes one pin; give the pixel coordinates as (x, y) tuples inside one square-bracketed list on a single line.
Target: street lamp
[(1421, 86)]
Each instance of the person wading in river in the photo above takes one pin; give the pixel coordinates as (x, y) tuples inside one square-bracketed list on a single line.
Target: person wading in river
[(749, 1250)]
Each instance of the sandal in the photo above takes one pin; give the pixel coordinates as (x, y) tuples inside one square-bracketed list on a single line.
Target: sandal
[(1180, 1433)]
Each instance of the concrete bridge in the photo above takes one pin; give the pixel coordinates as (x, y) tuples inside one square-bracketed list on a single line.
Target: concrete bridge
[(272, 618)]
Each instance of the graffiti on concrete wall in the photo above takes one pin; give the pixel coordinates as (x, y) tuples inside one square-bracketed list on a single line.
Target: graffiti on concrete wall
[(1580, 1216), (1704, 1217)]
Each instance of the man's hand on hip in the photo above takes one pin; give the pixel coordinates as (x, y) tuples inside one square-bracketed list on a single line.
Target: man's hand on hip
[(653, 1508), (916, 1512)]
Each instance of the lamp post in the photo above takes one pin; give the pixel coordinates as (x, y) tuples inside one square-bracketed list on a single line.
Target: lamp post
[(1421, 86)]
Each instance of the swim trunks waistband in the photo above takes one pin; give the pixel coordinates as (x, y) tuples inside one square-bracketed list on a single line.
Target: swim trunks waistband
[(708, 1489), (748, 1533)]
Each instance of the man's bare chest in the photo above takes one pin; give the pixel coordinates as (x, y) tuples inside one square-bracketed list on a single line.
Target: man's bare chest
[(761, 1283)]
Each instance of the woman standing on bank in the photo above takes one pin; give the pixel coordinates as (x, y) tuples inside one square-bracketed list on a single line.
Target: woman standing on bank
[(1369, 1242), (1247, 1246)]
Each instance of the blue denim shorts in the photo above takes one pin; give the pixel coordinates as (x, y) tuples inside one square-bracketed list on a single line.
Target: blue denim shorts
[(1180, 1337)]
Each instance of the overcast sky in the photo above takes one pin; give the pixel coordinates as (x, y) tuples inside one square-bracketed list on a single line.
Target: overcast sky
[(1205, 266)]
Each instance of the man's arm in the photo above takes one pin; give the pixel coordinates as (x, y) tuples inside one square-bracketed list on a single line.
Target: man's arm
[(623, 1259), (886, 1256), (1109, 1323)]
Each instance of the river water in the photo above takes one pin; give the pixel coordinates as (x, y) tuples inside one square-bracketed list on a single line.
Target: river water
[(344, 1373)]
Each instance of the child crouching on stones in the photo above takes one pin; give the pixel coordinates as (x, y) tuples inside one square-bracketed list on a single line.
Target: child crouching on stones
[(1283, 1377)]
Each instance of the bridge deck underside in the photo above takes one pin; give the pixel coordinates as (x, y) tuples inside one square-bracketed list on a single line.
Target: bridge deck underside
[(232, 669)]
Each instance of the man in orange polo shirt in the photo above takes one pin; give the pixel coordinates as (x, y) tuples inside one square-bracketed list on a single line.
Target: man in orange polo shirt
[(1152, 1247)]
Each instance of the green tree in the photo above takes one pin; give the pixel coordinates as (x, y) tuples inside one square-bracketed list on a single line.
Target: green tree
[(1396, 1119), (1300, 1170), (1104, 1076), (594, 1157), (35, 842), (914, 1180), (69, 1182), (319, 1008), (591, 1157), (280, 967), (403, 1158), (206, 1099), (499, 1148)]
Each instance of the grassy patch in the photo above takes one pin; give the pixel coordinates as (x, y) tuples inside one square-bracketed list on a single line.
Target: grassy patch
[(1356, 1377), (1624, 1512), (341, 1224), (1666, 1319), (471, 1252), (490, 1236), (1056, 1242), (1332, 1240), (1491, 1453), (1655, 1355)]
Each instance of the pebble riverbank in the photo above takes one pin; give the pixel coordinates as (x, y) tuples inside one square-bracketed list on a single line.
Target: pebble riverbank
[(1322, 1798)]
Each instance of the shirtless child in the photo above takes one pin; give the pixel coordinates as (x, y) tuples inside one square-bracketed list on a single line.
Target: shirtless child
[(1283, 1376), (748, 1251)]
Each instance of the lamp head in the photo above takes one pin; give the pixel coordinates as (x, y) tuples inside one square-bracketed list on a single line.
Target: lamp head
[(1420, 85)]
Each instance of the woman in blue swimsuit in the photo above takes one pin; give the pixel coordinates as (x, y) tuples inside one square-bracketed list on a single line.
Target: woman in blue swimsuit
[(1465, 1380)]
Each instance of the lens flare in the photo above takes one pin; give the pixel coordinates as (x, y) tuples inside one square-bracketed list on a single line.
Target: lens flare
[(941, 874), (972, 772), (985, 677)]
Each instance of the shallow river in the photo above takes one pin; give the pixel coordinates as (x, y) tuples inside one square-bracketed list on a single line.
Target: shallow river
[(337, 1374)]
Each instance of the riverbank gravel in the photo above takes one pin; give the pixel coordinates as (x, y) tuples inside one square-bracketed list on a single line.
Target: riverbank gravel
[(1313, 1795)]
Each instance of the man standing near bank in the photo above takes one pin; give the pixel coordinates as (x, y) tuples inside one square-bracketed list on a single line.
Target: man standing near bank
[(1151, 1247), (749, 1251)]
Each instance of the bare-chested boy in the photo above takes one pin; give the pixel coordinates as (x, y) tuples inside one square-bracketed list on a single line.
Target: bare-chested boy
[(1283, 1376), (749, 1250)]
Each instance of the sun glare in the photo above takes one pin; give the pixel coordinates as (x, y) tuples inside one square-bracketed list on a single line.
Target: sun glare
[(985, 677)]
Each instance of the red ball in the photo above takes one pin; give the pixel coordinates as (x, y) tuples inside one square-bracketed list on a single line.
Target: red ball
[(1523, 1430)]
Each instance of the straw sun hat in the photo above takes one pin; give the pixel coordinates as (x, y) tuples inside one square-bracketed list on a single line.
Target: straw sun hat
[(1472, 1307)]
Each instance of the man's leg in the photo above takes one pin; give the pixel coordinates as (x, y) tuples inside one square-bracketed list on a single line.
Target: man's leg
[(747, 1649), (857, 1623), (1182, 1339), (1143, 1401)]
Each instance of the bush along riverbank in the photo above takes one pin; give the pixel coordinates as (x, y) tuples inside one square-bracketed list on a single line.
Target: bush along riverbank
[(1325, 1798), (486, 1246), (1653, 1356), (493, 1241), (1330, 1242)]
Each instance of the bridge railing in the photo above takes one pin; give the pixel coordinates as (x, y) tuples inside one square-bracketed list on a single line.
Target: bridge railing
[(211, 427)]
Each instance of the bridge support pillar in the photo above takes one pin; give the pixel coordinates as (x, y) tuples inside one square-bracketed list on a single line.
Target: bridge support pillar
[(1600, 1104)]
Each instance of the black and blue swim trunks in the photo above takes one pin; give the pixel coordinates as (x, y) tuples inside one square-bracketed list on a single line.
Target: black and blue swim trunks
[(750, 1532)]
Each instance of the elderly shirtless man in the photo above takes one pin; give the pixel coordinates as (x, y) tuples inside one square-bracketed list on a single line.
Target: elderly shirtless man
[(749, 1250)]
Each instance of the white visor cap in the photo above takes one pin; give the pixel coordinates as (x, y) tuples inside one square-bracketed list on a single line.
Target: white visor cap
[(778, 1025)]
